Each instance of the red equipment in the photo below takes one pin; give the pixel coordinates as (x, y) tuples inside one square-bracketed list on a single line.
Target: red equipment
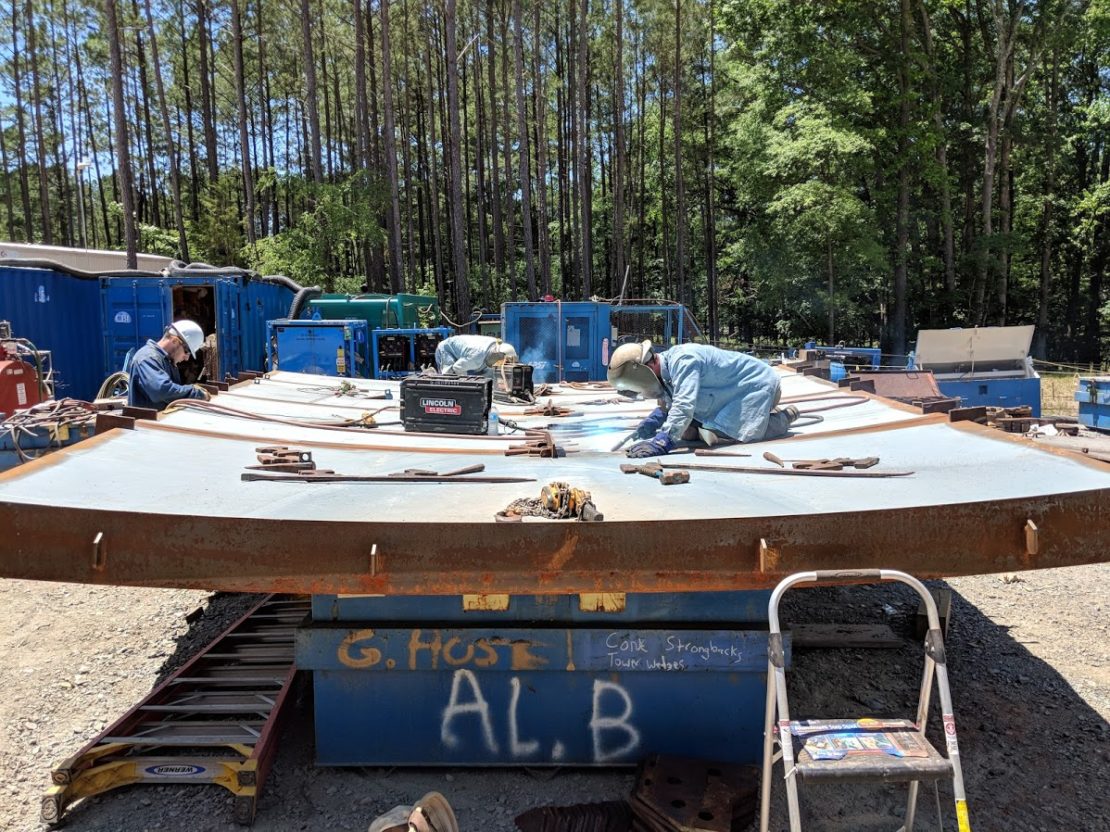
[(19, 383)]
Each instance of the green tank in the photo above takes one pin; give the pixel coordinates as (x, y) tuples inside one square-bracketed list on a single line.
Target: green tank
[(379, 311)]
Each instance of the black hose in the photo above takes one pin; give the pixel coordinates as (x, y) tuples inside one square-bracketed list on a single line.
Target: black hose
[(303, 296), (55, 266), (281, 280)]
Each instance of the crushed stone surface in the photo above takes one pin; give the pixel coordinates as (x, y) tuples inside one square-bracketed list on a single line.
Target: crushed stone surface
[(1029, 659)]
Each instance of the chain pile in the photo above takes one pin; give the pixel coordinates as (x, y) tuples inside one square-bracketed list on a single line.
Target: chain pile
[(557, 501), (48, 417)]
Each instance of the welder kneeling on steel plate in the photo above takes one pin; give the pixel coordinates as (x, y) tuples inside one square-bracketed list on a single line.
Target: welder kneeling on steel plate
[(466, 355), (706, 394), (154, 380)]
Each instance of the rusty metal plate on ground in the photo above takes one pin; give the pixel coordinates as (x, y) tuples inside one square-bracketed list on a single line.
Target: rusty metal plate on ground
[(677, 794)]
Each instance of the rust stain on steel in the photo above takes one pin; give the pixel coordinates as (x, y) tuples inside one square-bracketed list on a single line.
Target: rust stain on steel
[(258, 555), (318, 443), (927, 419)]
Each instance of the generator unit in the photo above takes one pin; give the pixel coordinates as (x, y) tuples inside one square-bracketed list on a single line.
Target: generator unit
[(446, 404), (326, 348), (396, 353)]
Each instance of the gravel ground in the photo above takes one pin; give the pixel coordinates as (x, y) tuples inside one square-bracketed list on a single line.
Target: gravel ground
[(1029, 657)]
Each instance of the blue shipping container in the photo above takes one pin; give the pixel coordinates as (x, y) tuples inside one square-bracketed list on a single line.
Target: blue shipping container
[(389, 695), (89, 324), (61, 313), (230, 304)]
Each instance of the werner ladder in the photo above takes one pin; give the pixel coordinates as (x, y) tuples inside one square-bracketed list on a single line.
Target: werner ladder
[(214, 721), (875, 766)]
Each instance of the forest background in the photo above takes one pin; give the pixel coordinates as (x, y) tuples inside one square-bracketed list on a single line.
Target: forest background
[(845, 170)]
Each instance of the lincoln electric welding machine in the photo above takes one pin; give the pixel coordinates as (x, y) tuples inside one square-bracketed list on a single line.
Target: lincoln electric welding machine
[(446, 404)]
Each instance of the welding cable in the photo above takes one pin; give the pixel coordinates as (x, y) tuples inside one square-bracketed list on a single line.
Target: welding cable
[(840, 401), (113, 381)]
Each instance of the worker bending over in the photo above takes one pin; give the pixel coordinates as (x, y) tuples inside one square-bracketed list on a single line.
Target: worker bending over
[(467, 355), (706, 393), (154, 381)]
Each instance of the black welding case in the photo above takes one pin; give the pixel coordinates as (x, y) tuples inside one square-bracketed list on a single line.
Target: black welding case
[(446, 404)]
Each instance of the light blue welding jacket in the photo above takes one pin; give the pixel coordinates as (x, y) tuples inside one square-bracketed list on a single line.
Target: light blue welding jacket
[(728, 392), (464, 355)]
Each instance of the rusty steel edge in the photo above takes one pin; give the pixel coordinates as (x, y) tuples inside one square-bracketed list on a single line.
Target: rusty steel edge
[(265, 555)]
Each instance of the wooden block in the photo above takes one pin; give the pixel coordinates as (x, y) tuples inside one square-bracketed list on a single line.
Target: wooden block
[(874, 636), (968, 414), (943, 600), (139, 412), (108, 421)]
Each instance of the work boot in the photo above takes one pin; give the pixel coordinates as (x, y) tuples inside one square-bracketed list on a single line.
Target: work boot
[(792, 413)]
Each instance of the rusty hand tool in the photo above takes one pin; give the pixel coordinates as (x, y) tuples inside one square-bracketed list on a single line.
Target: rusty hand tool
[(331, 476), (837, 464), (799, 472), (549, 409), (711, 452), (655, 470), (282, 458), (421, 472), (539, 443)]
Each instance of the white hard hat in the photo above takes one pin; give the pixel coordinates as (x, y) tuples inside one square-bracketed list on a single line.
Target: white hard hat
[(628, 369), (502, 351), (189, 332)]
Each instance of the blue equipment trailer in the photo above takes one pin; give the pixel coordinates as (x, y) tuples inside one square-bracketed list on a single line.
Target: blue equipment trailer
[(982, 365)]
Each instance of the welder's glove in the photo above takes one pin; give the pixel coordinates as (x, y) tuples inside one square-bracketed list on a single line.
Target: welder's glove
[(660, 445), (201, 393), (651, 425)]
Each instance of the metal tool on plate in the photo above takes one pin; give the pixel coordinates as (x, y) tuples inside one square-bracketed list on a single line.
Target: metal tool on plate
[(654, 469)]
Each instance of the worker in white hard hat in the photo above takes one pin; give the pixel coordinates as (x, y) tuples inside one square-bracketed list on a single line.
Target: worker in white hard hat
[(466, 355), (706, 394), (154, 379)]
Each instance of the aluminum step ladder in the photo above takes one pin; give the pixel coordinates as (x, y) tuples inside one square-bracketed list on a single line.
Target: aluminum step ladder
[(214, 721), (790, 735)]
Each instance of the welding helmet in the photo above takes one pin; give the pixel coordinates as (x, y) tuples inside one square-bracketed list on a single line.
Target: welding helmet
[(190, 333), (501, 351), (628, 370)]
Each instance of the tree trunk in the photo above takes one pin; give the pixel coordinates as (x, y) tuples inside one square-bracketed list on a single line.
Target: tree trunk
[(21, 131), (462, 290), (480, 178), (540, 121), (8, 201), (1052, 98), (171, 145), (949, 245), (679, 182), (495, 163), (315, 161), (123, 153), (241, 103), (902, 215), (618, 141), (40, 136), (389, 150), (206, 94), (525, 161), (583, 167), (710, 186)]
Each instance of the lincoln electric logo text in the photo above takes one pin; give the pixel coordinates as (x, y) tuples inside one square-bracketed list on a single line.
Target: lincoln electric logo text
[(441, 407)]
